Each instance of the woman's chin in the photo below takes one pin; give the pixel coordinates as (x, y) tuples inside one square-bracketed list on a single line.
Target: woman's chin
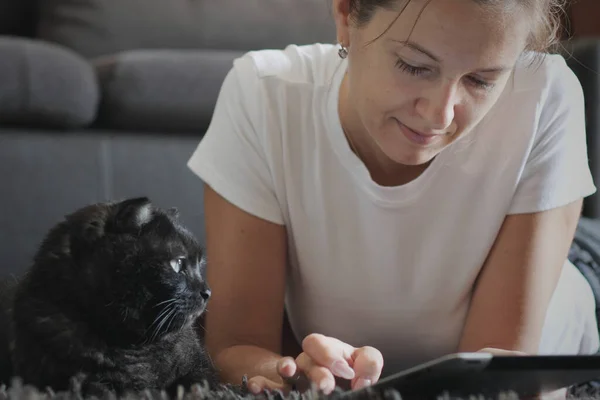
[(412, 157), (401, 150)]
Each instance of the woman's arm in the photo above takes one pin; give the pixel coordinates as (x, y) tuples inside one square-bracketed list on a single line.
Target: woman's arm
[(246, 260), (518, 279)]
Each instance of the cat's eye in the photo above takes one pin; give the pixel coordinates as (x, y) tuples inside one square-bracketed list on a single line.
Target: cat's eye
[(177, 264)]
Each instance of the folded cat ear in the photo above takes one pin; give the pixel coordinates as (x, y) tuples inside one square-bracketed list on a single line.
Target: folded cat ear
[(134, 213), (86, 226), (173, 212)]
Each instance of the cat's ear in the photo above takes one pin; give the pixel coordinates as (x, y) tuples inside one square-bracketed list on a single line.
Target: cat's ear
[(133, 213), (173, 212), (86, 226), (92, 230)]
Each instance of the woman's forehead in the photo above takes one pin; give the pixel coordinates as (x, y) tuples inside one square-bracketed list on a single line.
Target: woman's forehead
[(456, 31)]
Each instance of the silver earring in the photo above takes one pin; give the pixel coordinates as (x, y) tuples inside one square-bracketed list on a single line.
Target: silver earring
[(343, 52)]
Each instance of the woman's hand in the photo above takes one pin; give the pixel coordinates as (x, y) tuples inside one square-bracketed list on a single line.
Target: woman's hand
[(560, 394), (323, 359)]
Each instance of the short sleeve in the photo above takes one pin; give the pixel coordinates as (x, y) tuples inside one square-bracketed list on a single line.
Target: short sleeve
[(231, 158), (557, 170)]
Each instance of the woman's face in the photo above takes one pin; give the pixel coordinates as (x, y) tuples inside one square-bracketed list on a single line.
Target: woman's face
[(440, 83)]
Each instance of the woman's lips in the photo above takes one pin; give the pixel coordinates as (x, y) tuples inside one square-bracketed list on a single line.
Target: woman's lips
[(421, 139)]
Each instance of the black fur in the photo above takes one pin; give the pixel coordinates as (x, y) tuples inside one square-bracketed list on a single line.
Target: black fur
[(103, 302), (7, 288)]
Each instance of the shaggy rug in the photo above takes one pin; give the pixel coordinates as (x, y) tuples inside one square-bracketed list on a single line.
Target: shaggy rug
[(17, 391)]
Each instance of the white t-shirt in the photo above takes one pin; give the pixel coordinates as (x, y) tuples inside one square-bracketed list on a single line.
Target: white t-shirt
[(389, 267)]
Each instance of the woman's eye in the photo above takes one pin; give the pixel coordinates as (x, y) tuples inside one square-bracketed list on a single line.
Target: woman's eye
[(417, 71), (411, 69), (481, 84)]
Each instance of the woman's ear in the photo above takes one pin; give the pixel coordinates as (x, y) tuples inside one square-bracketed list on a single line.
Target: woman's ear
[(341, 16)]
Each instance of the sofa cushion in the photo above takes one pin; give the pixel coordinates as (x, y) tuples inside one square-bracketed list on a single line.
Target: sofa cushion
[(45, 84), (101, 27), (161, 90)]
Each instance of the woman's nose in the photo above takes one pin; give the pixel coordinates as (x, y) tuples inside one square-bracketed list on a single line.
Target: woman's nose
[(437, 107)]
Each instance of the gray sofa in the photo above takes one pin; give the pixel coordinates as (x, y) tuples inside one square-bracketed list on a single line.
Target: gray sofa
[(107, 99)]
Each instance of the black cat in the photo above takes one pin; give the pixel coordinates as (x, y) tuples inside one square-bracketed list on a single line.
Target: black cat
[(112, 298)]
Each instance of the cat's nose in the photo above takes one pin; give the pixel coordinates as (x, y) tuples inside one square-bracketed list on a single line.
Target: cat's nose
[(205, 293)]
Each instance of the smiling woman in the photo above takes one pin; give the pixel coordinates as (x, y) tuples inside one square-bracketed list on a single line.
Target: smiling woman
[(430, 77), (408, 193)]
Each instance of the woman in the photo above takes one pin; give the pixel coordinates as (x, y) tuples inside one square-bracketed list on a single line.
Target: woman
[(408, 193)]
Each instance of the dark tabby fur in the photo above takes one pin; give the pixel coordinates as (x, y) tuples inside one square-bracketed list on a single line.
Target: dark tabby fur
[(112, 298)]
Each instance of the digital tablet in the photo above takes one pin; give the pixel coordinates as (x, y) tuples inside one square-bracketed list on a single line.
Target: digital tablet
[(472, 374)]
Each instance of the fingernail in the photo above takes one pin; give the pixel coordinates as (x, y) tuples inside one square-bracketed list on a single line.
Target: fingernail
[(323, 385), (362, 382), (254, 388), (286, 364), (340, 368)]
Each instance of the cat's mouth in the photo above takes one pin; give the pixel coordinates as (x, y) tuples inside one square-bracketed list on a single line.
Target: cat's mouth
[(197, 311), (193, 311), (189, 318)]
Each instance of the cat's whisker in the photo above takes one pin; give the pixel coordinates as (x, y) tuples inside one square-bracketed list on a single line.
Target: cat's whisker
[(166, 301), (162, 313), (153, 335), (158, 319), (161, 319), (172, 319), (164, 320)]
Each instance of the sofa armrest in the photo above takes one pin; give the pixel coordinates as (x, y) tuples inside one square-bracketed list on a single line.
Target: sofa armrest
[(170, 90), (43, 84), (583, 56)]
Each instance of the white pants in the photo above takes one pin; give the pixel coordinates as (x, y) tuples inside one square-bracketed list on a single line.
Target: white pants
[(570, 326)]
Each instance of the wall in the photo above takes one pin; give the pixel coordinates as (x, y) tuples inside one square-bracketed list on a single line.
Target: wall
[(584, 18)]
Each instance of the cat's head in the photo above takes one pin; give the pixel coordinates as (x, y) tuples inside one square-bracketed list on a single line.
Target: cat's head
[(139, 270)]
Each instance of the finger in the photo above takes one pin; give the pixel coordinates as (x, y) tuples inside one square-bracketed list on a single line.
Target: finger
[(368, 363), (286, 367), (560, 394), (501, 352), (321, 376), (331, 353), (258, 384)]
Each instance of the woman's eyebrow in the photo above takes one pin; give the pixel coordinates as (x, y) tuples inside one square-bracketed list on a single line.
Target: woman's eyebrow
[(416, 47)]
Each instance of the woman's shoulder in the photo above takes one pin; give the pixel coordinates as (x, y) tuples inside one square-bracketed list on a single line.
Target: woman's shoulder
[(264, 85), (547, 76), (541, 89), (311, 64), (540, 100)]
